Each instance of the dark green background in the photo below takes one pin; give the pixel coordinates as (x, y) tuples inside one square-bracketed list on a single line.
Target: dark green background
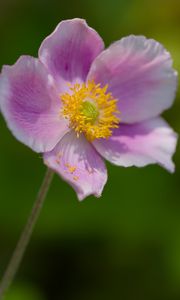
[(125, 245)]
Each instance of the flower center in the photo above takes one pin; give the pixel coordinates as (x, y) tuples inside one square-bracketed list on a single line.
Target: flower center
[(90, 110)]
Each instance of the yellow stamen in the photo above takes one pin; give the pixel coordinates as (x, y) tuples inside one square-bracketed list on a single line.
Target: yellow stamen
[(91, 110), (70, 168)]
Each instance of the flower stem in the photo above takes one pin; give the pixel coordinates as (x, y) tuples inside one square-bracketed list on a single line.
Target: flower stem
[(19, 251)]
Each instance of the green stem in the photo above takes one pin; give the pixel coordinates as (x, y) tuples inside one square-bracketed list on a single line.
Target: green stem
[(19, 251)]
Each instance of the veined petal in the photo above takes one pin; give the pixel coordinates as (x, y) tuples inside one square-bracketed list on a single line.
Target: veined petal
[(30, 104), (139, 74), (149, 142), (77, 162), (69, 51)]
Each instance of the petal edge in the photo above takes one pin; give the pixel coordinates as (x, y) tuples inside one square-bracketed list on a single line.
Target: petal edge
[(30, 104), (70, 49), (140, 144), (139, 74), (78, 163)]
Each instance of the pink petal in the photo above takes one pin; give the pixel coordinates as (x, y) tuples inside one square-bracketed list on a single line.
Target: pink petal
[(140, 144), (139, 74), (30, 104), (69, 51), (77, 162)]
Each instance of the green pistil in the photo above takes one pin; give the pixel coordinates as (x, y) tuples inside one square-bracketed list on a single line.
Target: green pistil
[(90, 111)]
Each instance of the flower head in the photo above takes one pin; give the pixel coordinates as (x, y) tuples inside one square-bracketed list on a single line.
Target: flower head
[(78, 103), (90, 110)]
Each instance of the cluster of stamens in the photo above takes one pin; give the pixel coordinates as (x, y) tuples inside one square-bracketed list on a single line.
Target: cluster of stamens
[(91, 110)]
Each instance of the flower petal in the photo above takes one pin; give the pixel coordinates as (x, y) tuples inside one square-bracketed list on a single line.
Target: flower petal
[(139, 74), (69, 51), (30, 104), (140, 144), (77, 162)]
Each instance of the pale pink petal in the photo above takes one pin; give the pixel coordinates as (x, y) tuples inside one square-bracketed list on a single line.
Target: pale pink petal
[(140, 144), (31, 105), (69, 51), (77, 162), (139, 74)]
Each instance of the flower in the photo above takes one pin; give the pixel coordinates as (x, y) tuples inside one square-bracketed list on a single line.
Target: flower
[(78, 103)]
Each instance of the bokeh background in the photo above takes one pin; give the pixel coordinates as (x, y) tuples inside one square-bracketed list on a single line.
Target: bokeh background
[(125, 245)]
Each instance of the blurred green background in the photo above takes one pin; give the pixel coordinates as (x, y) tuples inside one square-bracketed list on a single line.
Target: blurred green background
[(125, 245)]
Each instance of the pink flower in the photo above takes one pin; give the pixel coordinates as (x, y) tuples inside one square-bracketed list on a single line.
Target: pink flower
[(78, 103)]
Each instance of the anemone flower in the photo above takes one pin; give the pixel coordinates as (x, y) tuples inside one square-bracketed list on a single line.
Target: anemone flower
[(79, 104)]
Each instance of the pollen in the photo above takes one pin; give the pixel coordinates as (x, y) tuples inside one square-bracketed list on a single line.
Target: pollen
[(76, 178), (91, 110), (70, 168)]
